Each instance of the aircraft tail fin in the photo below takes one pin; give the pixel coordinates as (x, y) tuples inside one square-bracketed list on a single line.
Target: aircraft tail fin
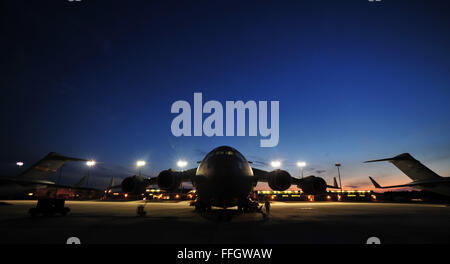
[(111, 183), (334, 186), (411, 167), (375, 183), (335, 182), (45, 167)]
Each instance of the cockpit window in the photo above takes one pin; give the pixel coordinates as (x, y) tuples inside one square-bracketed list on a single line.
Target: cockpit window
[(229, 153)]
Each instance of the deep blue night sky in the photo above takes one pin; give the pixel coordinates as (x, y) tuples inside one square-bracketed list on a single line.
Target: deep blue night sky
[(356, 80)]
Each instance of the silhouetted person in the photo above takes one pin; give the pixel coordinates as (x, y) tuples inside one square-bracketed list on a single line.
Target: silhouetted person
[(267, 206), (141, 211)]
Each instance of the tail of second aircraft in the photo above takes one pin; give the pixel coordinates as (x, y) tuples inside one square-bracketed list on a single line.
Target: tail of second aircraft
[(335, 185), (411, 167), (111, 183)]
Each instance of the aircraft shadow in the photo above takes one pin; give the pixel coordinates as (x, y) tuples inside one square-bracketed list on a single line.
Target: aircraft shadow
[(227, 215)]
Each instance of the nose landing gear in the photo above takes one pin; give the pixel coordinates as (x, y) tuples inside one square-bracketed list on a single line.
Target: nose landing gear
[(201, 207), (248, 206)]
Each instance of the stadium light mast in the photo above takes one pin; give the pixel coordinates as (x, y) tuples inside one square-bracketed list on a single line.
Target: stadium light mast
[(301, 165), (139, 164), (58, 181), (181, 164), (339, 174), (275, 164)]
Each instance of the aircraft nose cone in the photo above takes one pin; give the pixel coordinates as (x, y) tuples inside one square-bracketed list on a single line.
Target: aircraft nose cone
[(226, 171)]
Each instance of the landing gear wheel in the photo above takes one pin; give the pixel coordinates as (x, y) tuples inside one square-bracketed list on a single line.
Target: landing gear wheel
[(33, 212), (202, 207), (199, 207)]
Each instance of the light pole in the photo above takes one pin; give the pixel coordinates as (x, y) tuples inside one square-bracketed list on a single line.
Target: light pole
[(339, 174), (139, 164), (20, 164), (89, 163), (181, 164), (58, 181), (301, 165)]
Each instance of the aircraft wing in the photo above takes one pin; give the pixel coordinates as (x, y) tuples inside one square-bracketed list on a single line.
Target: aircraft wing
[(188, 175), (30, 182), (147, 182), (165, 177), (182, 176), (261, 175), (25, 182)]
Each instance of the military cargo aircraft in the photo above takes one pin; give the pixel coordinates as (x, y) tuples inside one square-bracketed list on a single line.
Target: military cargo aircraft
[(423, 178), (225, 178)]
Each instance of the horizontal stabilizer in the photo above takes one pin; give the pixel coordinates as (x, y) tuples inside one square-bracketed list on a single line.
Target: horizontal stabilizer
[(404, 156)]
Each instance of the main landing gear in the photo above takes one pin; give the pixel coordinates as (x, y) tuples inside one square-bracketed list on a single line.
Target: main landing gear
[(251, 206), (49, 207)]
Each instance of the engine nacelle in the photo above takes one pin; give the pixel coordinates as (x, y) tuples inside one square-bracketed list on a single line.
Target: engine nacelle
[(312, 185), (134, 184), (279, 180), (169, 179)]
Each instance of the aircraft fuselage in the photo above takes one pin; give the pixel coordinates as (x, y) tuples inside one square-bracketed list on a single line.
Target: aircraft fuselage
[(442, 188), (224, 178)]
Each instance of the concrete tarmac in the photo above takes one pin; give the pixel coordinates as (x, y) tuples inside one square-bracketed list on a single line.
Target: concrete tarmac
[(176, 222)]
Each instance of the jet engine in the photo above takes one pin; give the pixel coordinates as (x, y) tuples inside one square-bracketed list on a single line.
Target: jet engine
[(312, 185), (279, 180), (169, 179), (134, 184)]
